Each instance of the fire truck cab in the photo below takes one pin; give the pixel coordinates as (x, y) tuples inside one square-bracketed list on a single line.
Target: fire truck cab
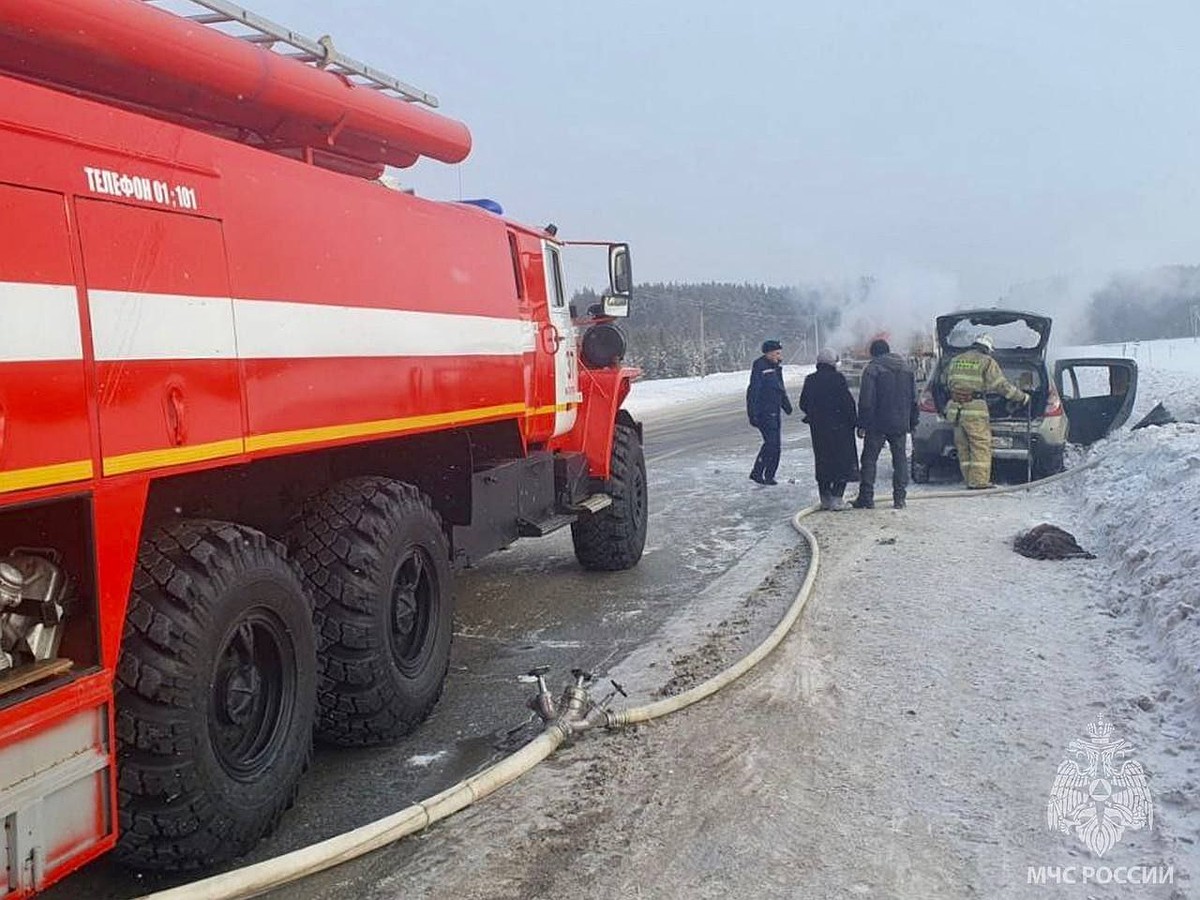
[(255, 408)]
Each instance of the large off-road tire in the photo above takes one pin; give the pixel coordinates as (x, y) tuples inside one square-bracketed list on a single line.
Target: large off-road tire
[(377, 564), (215, 696), (613, 539)]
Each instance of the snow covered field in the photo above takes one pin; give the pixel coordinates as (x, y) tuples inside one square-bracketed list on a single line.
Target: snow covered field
[(1174, 355), (651, 398)]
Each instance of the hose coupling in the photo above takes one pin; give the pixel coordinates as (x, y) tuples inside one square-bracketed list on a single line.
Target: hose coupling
[(598, 716), (575, 699), (576, 711)]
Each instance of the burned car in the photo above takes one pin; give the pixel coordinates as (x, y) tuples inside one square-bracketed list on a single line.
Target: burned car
[(1081, 401)]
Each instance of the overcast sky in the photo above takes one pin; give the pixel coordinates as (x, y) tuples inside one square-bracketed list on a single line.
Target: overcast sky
[(974, 144)]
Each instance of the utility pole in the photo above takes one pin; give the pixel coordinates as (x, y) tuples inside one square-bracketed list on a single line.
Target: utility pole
[(817, 332), (703, 368), (1195, 320), (802, 349)]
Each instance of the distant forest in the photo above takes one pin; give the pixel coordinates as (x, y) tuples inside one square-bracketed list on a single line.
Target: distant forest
[(666, 320), (1160, 303)]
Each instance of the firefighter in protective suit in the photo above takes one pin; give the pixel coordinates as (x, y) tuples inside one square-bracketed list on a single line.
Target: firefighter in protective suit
[(970, 377)]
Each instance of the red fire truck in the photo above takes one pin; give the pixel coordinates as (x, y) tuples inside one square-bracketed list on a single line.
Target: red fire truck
[(255, 408)]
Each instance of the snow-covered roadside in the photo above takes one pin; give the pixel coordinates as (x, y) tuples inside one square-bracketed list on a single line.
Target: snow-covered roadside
[(1142, 501), (648, 398), (1142, 504)]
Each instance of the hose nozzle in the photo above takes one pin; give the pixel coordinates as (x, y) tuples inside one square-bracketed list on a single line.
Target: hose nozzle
[(542, 702)]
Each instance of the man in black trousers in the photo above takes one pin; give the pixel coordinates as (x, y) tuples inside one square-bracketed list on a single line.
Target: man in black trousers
[(887, 412), (765, 397)]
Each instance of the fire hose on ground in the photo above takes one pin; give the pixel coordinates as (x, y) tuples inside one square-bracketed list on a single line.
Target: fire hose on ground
[(577, 715)]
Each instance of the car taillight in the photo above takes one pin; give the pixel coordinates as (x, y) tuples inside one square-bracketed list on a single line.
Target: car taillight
[(1053, 403), (927, 404)]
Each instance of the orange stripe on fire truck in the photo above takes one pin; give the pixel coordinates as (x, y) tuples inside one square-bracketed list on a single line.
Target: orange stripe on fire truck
[(171, 456), (379, 427), (42, 476)]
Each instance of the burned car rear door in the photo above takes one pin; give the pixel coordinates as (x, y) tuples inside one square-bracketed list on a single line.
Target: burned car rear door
[(1097, 395)]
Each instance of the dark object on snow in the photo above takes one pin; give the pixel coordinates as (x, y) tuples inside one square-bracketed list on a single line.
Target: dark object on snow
[(1157, 416), (1047, 541)]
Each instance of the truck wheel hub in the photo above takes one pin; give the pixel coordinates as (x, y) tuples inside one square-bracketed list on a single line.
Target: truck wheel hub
[(413, 596)]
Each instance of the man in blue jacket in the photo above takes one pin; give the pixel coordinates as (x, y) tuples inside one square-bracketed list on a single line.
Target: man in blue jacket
[(887, 412), (765, 397)]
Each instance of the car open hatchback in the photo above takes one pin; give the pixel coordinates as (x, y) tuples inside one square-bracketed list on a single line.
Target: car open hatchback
[(1080, 402)]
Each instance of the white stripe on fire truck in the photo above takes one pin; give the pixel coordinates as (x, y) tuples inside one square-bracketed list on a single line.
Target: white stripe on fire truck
[(38, 322), (281, 330), (128, 325)]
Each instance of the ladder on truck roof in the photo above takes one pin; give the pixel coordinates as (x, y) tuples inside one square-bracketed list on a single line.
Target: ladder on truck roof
[(227, 18)]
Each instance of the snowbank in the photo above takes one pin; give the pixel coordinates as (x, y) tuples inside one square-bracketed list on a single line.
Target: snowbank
[(666, 393), (1143, 501), (1181, 396)]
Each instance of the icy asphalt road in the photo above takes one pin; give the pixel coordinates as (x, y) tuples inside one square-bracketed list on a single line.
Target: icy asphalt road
[(533, 605)]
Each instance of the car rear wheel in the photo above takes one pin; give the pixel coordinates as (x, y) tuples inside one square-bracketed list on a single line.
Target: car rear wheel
[(920, 472), (1048, 462)]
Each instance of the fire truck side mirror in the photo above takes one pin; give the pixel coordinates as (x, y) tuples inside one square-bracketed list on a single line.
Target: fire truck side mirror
[(620, 279)]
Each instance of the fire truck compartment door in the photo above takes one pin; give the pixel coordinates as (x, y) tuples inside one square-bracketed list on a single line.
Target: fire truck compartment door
[(43, 392), (163, 333), (558, 337)]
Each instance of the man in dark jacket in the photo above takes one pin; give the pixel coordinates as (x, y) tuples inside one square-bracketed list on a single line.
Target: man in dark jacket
[(887, 412), (765, 396), (828, 408)]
